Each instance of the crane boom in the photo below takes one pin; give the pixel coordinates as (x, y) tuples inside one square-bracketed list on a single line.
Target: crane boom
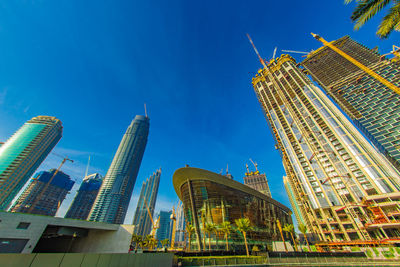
[(298, 52), (258, 54), (255, 164), (357, 63)]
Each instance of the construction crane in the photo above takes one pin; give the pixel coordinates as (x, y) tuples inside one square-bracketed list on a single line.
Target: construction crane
[(258, 54), (255, 166), (395, 51), (358, 64), (39, 197), (297, 52), (173, 218), (154, 223)]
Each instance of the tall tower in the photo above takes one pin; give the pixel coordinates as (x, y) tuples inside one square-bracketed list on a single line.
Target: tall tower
[(334, 172), (113, 199), (50, 200), (372, 106), (165, 226), (148, 196), (84, 199), (257, 181), (180, 225), (22, 154)]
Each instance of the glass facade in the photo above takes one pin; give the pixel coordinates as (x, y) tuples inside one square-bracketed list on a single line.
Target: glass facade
[(211, 198), (372, 106), (22, 154), (331, 168), (84, 199), (148, 196), (115, 193)]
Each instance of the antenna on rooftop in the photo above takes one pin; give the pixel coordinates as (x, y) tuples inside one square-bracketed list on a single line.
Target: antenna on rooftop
[(227, 172), (255, 49), (87, 167), (145, 110)]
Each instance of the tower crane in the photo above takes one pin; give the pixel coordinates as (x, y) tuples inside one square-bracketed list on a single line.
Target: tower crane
[(258, 54), (154, 223), (38, 197), (173, 218), (358, 64), (255, 166), (297, 52)]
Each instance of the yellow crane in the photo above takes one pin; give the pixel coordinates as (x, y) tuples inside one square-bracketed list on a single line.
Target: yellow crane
[(154, 223), (173, 218), (47, 185), (358, 64)]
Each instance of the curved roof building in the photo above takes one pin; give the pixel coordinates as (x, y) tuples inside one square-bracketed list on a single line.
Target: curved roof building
[(212, 198)]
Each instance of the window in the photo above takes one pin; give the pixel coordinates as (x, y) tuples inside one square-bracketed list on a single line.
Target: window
[(23, 225)]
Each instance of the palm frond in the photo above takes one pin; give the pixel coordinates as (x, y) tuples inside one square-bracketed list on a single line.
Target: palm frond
[(390, 22), (366, 9)]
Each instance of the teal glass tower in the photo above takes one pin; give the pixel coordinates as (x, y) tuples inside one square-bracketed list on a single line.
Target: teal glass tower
[(23, 152), (114, 195), (148, 196)]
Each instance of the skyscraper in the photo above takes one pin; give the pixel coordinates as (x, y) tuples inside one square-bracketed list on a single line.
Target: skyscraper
[(257, 181), (147, 202), (180, 225), (165, 226), (49, 200), (336, 176), (22, 154), (84, 199), (113, 199), (372, 106)]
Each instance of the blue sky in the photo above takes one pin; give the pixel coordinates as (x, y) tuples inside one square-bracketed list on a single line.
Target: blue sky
[(93, 64)]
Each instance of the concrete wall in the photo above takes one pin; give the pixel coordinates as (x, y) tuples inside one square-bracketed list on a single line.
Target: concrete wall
[(87, 260), (101, 238), (99, 241)]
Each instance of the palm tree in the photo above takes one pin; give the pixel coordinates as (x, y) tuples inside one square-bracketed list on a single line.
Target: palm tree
[(290, 229), (190, 231), (302, 228), (226, 228), (147, 241), (164, 242), (209, 228), (278, 224), (366, 9), (136, 239), (243, 225)]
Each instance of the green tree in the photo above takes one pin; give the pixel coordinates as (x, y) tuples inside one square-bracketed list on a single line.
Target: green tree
[(303, 229), (366, 9), (136, 239), (243, 225), (209, 229), (147, 241), (289, 228), (190, 231), (226, 228), (164, 242)]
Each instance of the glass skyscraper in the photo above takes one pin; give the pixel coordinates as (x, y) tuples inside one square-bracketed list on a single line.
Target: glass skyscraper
[(372, 106), (113, 199), (148, 196), (164, 230), (84, 199), (335, 176), (50, 200), (22, 154)]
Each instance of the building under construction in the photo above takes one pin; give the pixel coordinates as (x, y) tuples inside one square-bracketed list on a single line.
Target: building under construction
[(372, 105), (257, 180), (338, 180)]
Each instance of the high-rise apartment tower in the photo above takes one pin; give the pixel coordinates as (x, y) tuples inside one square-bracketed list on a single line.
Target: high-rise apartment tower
[(372, 106), (180, 225), (164, 230), (257, 181), (335, 174), (146, 203), (50, 200), (22, 154), (113, 198), (85, 197)]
